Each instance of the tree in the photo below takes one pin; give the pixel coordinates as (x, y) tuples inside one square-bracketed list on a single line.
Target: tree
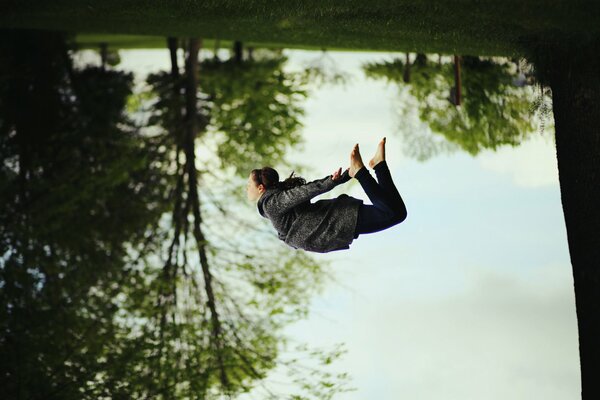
[(209, 319), (492, 113), (77, 186), (571, 70), (255, 108), (119, 277), (323, 70)]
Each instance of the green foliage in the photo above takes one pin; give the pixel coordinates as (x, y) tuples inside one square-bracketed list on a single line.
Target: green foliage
[(323, 70), (391, 71), (188, 349), (103, 292), (167, 351), (542, 106), (493, 112), (78, 188), (256, 106)]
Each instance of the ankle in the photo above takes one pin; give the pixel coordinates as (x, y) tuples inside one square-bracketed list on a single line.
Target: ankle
[(362, 170), (380, 164)]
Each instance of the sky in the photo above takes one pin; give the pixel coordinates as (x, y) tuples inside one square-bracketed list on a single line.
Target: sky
[(472, 296)]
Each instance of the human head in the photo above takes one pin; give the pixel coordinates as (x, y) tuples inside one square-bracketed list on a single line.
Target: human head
[(260, 180)]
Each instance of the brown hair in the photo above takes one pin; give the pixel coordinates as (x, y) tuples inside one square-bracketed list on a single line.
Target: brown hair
[(270, 179)]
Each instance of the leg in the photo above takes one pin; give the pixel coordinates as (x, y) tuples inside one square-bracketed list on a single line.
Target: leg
[(382, 171), (388, 209), (393, 206), (371, 219), (384, 177)]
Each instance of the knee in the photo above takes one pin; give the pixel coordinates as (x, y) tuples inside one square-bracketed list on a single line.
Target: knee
[(399, 217)]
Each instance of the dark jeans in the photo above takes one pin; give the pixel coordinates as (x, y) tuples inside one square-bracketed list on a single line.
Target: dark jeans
[(387, 210)]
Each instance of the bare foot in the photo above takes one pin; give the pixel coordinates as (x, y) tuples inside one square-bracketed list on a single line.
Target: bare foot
[(379, 154), (356, 162)]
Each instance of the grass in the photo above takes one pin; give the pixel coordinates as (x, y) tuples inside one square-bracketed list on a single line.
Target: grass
[(485, 27), (92, 41)]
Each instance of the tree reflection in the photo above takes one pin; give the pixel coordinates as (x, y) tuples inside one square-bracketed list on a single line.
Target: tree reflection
[(493, 111), (125, 273)]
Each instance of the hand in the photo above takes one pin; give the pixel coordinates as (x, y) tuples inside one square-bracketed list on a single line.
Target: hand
[(336, 175), (340, 177)]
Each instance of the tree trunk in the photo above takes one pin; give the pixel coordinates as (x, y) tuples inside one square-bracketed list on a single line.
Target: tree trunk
[(103, 55), (406, 75), (575, 87), (216, 50), (172, 43), (191, 86), (238, 52)]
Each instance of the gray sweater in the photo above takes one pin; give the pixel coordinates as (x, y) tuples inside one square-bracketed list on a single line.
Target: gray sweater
[(322, 226)]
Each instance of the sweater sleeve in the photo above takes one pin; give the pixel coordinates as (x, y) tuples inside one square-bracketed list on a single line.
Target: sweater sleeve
[(285, 200)]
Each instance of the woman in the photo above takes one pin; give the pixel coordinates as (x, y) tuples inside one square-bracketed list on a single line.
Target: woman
[(328, 225)]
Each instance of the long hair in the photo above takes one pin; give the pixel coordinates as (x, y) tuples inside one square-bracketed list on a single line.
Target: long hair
[(270, 179)]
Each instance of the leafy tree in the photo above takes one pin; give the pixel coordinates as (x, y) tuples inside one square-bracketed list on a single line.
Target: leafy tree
[(323, 70), (254, 105), (119, 277), (77, 185), (493, 112), (209, 317)]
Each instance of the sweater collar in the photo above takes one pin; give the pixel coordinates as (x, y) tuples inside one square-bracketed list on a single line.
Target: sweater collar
[(262, 199)]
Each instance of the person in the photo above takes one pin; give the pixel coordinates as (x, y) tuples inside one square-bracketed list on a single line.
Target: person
[(331, 224)]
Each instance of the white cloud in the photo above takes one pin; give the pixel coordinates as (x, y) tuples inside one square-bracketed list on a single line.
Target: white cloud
[(503, 335), (532, 164)]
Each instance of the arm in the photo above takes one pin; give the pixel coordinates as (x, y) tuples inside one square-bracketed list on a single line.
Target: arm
[(343, 178), (287, 199)]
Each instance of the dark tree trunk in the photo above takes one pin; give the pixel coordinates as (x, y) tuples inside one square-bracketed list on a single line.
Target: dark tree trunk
[(238, 53), (575, 82), (191, 97), (420, 60), (216, 50), (406, 75), (103, 55), (172, 43)]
